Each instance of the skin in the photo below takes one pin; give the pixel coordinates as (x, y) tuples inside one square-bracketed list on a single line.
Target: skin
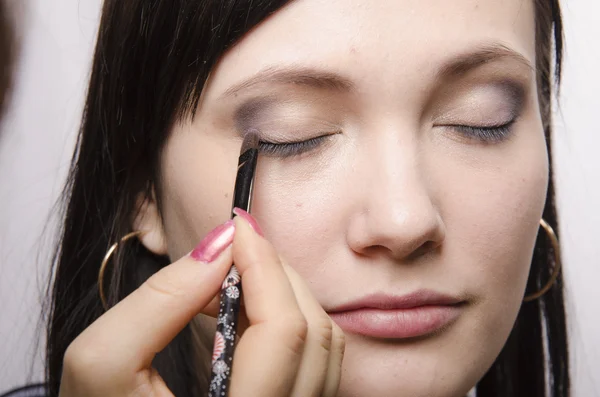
[(398, 199), (113, 356)]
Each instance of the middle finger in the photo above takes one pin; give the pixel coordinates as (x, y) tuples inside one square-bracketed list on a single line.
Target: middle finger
[(313, 370)]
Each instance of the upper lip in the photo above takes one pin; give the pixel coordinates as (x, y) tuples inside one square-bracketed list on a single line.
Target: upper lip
[(384, 301)]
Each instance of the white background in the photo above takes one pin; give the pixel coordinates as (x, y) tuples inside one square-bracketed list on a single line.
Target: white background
[(38, 136)]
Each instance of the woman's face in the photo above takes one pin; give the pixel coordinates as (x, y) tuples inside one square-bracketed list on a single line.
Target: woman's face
[(423, 169)]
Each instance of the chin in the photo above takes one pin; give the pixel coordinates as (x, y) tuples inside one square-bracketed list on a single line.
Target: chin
[(413, 368)]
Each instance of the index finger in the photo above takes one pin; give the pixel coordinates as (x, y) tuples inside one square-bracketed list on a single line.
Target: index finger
[(126, 338)]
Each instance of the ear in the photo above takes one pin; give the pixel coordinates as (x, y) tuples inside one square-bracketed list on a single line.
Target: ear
[(148, 221)]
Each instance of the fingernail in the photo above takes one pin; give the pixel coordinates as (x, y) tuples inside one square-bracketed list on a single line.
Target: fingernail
[(214, 243), (250, 219)]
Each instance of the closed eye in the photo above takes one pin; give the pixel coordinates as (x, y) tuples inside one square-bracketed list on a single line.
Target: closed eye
[(289, 149), (486, 134)]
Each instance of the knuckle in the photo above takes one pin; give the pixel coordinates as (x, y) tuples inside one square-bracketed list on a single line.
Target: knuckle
[(322, 330), (71, 358), (294, 332), (81, 358), (165, 283), (338, 340)]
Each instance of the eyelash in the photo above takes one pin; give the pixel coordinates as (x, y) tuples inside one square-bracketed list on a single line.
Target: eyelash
[(488, 134), (289, 149)]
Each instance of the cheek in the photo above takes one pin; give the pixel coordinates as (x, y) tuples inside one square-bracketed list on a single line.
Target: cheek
[(300, 207), (492, 209), (197, 185)]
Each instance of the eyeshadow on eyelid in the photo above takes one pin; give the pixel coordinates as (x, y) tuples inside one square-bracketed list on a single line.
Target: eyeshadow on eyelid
[(496, 102), (512, 91), (286, 113), (246, 115), (515, 92)]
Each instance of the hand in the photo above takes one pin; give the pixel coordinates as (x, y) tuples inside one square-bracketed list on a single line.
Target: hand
[(288, 346)]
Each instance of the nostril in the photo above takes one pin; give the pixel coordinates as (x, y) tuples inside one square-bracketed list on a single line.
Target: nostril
[(409, 255), (427, 247)]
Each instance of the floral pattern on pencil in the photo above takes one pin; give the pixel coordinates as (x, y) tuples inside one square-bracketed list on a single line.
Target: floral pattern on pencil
[(232, 292), (222, 358), (219, 346), (233, 278)]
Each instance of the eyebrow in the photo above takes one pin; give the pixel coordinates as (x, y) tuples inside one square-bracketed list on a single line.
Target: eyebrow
[(304, 76), (464, 63)]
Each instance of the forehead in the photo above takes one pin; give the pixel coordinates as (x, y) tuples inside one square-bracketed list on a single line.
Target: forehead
[(384, 39)]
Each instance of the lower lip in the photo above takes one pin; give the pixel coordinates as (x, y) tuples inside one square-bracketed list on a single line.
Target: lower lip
[(396, 323)]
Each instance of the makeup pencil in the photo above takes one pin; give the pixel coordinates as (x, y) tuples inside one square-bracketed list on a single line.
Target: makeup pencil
[(222, 358)]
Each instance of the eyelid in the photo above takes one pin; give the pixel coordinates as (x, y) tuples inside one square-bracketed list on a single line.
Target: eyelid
[(285, 128), (476, 104), (484, 126), (484, 134), (287, 107), (285, 138), (293, 148)]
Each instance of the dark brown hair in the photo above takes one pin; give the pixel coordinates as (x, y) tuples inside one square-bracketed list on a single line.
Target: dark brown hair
[(151, 62), (7, 54)]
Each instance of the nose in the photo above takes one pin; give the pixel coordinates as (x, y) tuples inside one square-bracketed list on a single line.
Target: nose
[(395, 215)]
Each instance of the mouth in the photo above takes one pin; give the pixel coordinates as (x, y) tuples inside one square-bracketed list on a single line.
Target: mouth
[(384, 316)]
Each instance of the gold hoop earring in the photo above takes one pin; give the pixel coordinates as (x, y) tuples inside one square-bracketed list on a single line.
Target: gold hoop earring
[(557, 264), (107, 257)]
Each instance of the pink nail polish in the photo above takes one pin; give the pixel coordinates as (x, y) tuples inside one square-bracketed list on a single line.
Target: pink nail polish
[(250, 219), (214, 243)]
